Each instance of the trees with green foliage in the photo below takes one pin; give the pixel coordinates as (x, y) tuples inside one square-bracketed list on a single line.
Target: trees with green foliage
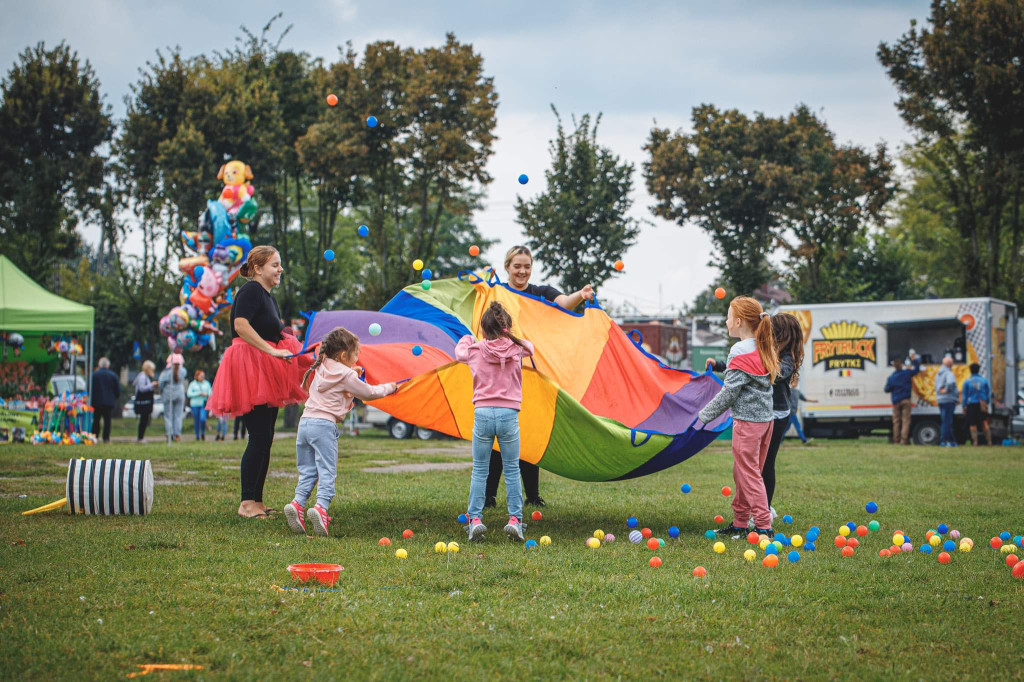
[(53, 128), (580, 225)]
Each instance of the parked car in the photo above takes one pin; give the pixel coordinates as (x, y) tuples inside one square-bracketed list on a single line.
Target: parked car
[(66, 383), (128, 412), (396, 427)]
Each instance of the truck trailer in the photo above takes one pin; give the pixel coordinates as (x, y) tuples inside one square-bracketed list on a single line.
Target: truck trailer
[(849, 349)]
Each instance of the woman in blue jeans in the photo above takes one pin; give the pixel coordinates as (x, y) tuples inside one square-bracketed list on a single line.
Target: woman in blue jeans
[(198, 394), (496, 364)]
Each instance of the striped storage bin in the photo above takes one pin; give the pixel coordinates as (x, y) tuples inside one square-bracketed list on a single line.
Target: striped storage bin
[(110, 486)]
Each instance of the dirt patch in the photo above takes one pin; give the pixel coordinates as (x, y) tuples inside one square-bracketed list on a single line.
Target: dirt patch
[(465, 450), (381, 461), (178, 481), (419, 467)]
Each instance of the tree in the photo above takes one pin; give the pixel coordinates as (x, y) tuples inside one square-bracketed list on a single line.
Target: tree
[(959, 85), (53, 125), (580, 225)]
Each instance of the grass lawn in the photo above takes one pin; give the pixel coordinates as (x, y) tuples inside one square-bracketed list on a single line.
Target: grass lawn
[(92, 597)]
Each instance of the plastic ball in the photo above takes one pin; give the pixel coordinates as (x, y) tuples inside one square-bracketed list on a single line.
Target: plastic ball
[(787, 519), (719, 518), (425, 284), (474, 251), (1008, 549), (770, 561), (719, 293), (329, 254), (778, 545), (944, 558), (536, 516), (417, 264), (332, 100), (929, 534), (898, 539), (884, 553), (646, 532), (631, 522), (862, 531), (793, 556), (844, 531), (780, 537), (771, 549), (874, 525), (523, 179), (853, 526), (440, 548), (406, 534), (652, 543), (1011, 560), (750, 555), (752, 538), (943, 528), (871, 507), (763, 543), (635, 537), (907, 547), (685, 488), (619, 265), (926, 549), (545, 540), (949, 545), (1018, 570), (936, 540), (384, 542), (813, 535), (809, 547), (401, 553), (599, 534), (709, 534), (417, 350), (955, 534), (1017, 540), (966, 547), (655, 562), (853, 542), (453, 548), (719, 548), (593, 543), (427, 273), (994, 543), (700, 572), (530, 544), (673, 532), (371, 121), (609, 538), (726, 491), (363, 231), (847, 552), (375, 329), (840, 541)]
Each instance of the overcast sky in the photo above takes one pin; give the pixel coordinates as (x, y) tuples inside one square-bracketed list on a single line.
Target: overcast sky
[(634, 62)]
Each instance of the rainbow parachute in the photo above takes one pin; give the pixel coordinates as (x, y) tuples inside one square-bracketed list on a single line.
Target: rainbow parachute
[(596, 406)]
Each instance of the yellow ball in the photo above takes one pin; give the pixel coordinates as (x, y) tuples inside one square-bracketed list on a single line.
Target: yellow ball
[(453, 547), (401, 553), (417, 264), (719, 548), (440, 548), (1008, 549), (796, 541), (750, 555), (898, 540), (844, 530), (593, 543), (935, 540), (599, 534), (545, 540), (763, 543), (763, 538), (968, 541)]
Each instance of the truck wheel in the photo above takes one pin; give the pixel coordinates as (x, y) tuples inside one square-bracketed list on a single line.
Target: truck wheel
[(399, 429), (423, 434), (926, 432)]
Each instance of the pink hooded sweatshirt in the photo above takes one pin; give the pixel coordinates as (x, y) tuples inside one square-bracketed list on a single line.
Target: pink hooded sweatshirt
[(497, 370), (332, 388)]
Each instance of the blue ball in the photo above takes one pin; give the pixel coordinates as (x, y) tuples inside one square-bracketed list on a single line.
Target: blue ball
[(417, 350), (783, 539), (523, 179), (632, 522), (426, 273), (871, 507), (949, 545), (812, 536), (685, 488), (1018, 540), (1004, 536), (328, 254), (463, 518), (851, 525), (673, 532), (943, 528), (771, 549), (371, 121), (809, 547), (530, 544), (363, 230), (793, 556), (926, 548), (787, 519), (709, 534), (814, 529)]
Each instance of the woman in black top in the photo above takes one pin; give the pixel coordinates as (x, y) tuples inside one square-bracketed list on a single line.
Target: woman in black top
[(258, 375), (519, 266)]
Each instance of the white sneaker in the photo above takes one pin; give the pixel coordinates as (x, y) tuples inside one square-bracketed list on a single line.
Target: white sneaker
[(775, 514), (750, 523), (514, 529), (476, 530)]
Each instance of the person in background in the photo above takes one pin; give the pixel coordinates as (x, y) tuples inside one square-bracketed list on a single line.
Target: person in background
[(947, 395), (172, 392), (795, 396), (977, 394), (144, 387), (106, 389), (198, 393), (239, 423), (898, 386), (222, 428)]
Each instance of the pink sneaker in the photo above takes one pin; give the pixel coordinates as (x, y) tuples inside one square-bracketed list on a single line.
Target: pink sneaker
[(294, 512), (318, 518)]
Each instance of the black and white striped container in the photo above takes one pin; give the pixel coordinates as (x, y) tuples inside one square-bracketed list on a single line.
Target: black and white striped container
[(110, 486)]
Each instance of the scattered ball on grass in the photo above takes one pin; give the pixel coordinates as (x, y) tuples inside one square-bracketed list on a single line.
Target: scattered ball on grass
[(840, 541), (796, 541), (898, 539), (384, 542), (440, 548), (770, 561), (771, 549), (936, 540), (862, 531), (907, 547), (787, 519), (700, 572), (654, 562), (871, 507), (608, 537), (884, 553), (949, 545), (453, 548), (545, 540), (955, 534), (646, 532), (944, 557), (874, 525), (752, 538), (926, 549), (530, 544), (673, 532), (793, 556), (401, 553), (536, 516), (463, 519), (943, 528), (1011, 559), (406, 534), (719, 518), (593, 543), (685, 488), (844, 531), (719, 548), (631, 522), (809, 547), (750, 555), (726, 491), (652, 544), (853, 542), (995, 543), (847, 552), (599, 534), (1018, 570), (636, 537)]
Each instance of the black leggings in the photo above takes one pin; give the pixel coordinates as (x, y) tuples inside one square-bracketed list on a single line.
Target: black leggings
[(530, 474), (143, 423), (779, 428), (256, 458)]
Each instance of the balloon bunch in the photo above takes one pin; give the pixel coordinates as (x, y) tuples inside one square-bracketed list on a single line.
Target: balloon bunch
[(66, 346), (216, 252)]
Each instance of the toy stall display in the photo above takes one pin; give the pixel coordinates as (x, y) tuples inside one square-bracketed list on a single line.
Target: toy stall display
[(66, 420), (215, 253)]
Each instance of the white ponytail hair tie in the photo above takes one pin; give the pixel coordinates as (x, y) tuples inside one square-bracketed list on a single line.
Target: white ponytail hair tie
[(766, 314)]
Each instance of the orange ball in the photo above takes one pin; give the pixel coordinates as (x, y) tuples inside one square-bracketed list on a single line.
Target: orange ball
[(840, 541), (884, 553), (726, 490), (1018, 570), (853, 542), (895, 549), (847, 552), (929, 534), (1011, 559), (536, 516), (719, 292), (862, 530), (654, 562), (332, 100), (995, 543), (719, 519), (474, 251), (407, 533), (752, 538), (619, 265), (770, 561), (384, 542), (653, 543), (646, 532), (944, 558), (700, 572)]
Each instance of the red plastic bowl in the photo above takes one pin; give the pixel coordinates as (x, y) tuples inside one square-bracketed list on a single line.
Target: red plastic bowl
[(323, 573)]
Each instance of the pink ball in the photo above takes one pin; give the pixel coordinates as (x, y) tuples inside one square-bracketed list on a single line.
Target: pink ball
[(907, 547), (609, 538), (955, 534)]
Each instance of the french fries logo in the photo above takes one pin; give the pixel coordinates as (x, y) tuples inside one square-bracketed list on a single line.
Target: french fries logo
[(845, 347)]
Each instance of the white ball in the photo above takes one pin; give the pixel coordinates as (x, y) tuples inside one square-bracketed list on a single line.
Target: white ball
[(635, 537)]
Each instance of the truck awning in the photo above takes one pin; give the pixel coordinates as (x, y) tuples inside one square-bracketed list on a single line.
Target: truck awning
[(937, 323)]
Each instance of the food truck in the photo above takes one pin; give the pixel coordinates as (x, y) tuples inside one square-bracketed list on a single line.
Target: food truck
[(849, 349)]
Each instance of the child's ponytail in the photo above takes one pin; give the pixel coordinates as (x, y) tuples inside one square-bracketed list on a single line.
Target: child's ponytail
[(306, 378), (496, 322), (338, 340), (764, 338)]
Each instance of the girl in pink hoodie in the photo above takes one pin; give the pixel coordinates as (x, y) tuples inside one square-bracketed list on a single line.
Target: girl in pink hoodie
[(496, 363), (333, 384)]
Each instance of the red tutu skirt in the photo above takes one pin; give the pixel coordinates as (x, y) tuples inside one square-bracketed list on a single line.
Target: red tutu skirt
[(248, 377)]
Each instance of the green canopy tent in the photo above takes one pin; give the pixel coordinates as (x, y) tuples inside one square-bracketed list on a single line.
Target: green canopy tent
[(26, 307)]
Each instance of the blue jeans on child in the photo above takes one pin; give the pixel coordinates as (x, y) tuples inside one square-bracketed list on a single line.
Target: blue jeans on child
[(316, 456), (490, 423), (199, 421), (795, 421)]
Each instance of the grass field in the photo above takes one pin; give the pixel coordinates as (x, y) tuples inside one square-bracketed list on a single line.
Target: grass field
[(92, 597)]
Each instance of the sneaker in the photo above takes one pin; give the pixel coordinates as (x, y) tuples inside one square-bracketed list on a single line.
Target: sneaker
[(732, 531), (295, 513), (476, 530), (765, 531), (318, 518), (490, 503), (750, 523), (775, 514), (514, 529), (535, 502)]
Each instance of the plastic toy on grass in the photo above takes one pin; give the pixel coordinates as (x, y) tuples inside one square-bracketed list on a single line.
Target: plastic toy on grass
[(106, 487), (700, 572), (608, 537), (326, 574)]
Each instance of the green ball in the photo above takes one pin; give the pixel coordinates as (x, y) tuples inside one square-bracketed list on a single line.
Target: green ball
[(874, 525)]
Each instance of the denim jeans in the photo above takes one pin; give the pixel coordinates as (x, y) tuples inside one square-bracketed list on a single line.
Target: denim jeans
[(199, 421), (174, 413), (490, 423), (946, 412), (316, 456), (795, 421), (222, 427)]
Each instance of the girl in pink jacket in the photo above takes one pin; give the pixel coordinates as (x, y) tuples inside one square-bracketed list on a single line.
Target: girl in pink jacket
[(332, 386), (496, 363)]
